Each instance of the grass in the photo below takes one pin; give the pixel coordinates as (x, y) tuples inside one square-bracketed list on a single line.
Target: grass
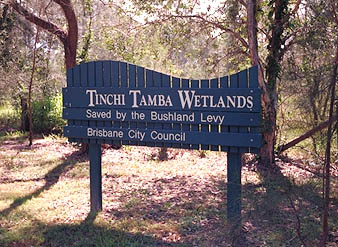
[(44, 199), (9, 116)]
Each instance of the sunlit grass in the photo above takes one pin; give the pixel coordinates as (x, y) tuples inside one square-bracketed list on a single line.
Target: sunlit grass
[(45, 199), (9, 116)]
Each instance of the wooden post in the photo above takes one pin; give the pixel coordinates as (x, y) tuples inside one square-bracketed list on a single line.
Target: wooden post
[(234, 187), (95, 177)]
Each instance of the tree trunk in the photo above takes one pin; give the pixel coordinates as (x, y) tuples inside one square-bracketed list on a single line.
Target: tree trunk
[(30, 89), (24, 114), (327, 164), (69, 39), (269, 111)]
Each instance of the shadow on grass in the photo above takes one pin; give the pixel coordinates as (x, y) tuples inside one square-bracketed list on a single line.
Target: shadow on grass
[(88, 233), (196, 211), (187, 211), (51, 178), (288, 212)]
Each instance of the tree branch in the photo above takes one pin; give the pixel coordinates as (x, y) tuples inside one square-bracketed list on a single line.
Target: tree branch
[(306, 135), (72, 36), (215, 24), (46, 25)]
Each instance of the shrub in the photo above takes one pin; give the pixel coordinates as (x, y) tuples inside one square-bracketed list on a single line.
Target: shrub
[(47, 115), (9, 116)]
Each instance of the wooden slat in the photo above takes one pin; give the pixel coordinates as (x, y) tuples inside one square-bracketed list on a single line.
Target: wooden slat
[(185, 127), (189, 137), (165, 79), (157, 83), (176, 83), (70, 83), (243, 83), (195, 127), (124, 84), (205, 127), (150, 84), (91, 81), (253, 83), (234, 129), (99, 83), (224, 129), (77, 83), (132, 85), (141, 84), (213, 127), (115, 83)]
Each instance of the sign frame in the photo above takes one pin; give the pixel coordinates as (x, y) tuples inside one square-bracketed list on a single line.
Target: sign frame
[(123, 104)]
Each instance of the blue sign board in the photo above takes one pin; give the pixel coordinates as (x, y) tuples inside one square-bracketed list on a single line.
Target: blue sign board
[(118, 103)]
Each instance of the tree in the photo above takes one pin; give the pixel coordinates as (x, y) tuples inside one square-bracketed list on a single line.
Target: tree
[(250, 21), (68, 38)]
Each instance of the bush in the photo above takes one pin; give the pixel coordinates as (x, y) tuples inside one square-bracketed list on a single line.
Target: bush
[(9, 116), (47, 115)]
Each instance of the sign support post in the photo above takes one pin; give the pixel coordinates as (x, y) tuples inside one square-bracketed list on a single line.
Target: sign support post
[(117, 103), (95, 177), (234, 186)]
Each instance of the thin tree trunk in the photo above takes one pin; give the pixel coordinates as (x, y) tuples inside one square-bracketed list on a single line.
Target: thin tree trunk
[(30, 89), (269, 111), (327, 164)]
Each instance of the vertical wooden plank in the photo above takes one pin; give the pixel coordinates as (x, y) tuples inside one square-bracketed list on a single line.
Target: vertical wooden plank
[(165, 79), (185, 127), (70, 83), (132, 85), (99, 73), (176, 83), (157, 82), (234, 84), (224, 128), (214, 127), (140, 80), (150, 83), (253, 77), (253, 83), (234, 187), (106, 66), (91, 83), (124, 84), (205, 127), (95, 177), (77, 83), (115, 74), (115, 83), (195, 127), (84, 83), (99, 83), (243, 83)]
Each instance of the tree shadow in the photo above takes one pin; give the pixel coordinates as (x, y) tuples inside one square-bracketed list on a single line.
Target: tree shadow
[(88, 233), (51, 178), (197, 210), (289, 211)]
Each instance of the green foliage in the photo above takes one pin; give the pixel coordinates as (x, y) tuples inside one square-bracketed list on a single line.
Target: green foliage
[(9, 116), (47, 114)]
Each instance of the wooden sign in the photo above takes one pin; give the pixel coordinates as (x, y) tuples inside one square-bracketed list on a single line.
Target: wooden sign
[(119, 103)]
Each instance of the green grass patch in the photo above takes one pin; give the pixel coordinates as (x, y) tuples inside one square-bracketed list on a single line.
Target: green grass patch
[(9, 116)]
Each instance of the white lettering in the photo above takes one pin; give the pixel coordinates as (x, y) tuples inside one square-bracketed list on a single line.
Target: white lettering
[(187, 100), (91, 98), (134, 93)]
